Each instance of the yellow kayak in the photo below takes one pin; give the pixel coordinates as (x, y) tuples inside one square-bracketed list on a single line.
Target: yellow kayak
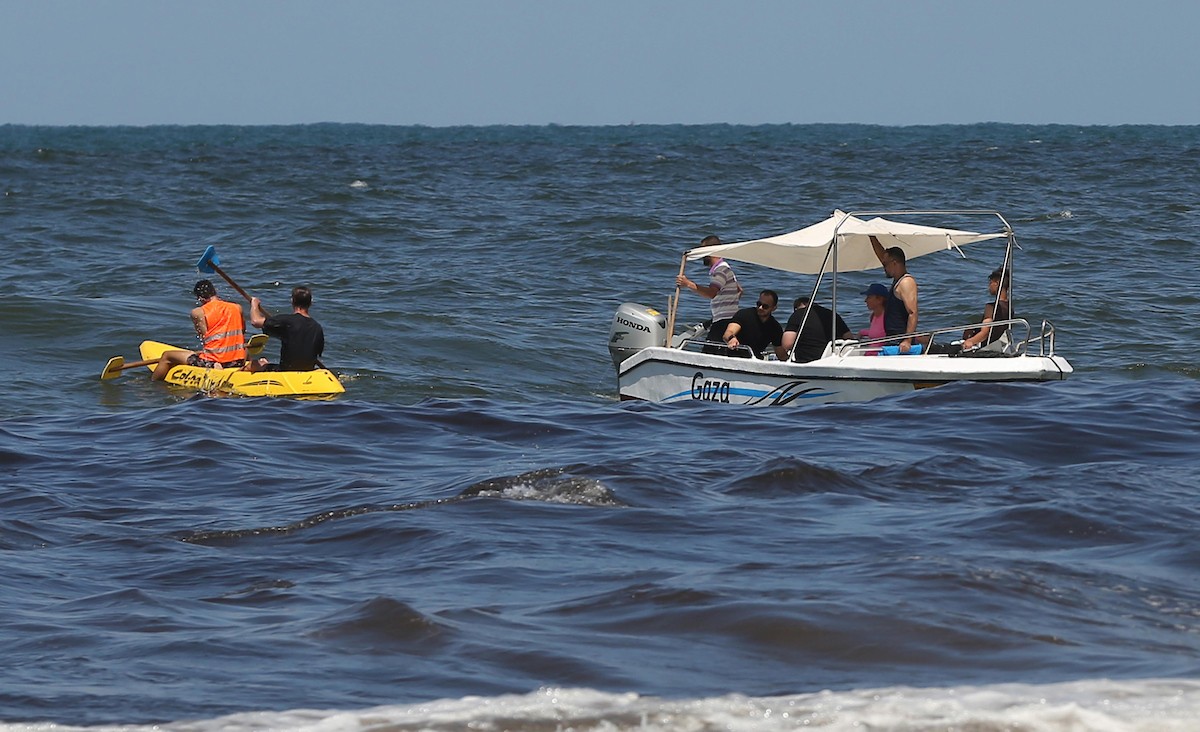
[(317, 383)]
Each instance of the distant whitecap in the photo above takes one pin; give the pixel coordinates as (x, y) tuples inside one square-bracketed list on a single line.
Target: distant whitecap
[(360, 184)]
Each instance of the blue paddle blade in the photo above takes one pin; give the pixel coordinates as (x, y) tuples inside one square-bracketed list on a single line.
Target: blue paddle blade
[(207, 260)]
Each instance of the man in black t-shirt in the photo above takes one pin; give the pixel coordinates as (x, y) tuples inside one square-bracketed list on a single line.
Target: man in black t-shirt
[(817, 332), (302, 340), (756, 327)]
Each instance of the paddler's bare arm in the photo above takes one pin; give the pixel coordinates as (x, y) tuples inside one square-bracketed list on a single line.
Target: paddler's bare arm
[(877, 247), (710, 290), (199, 323), (257, 315), (906, 290)]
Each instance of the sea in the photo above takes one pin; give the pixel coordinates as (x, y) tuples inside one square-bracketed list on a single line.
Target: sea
[(479, 535)]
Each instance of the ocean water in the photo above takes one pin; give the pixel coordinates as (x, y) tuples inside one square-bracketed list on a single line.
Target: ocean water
[(479, 535)]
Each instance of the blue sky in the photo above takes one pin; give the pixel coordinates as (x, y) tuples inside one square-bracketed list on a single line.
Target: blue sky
[(451, 62)]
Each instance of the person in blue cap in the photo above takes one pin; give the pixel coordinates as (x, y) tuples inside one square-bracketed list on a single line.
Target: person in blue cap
[(876, 295)]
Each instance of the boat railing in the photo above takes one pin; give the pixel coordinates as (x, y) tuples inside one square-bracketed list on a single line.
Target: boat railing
[(1017, 346), (1044, 340), (703, 345)]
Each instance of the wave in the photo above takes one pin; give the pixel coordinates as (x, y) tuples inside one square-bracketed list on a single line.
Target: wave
[(1148, 705), (549, 485)]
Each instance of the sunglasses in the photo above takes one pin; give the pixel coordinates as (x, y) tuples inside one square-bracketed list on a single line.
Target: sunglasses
[(764, 306)]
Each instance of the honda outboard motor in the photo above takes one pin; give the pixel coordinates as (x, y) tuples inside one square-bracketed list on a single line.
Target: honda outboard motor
[(635, 327)]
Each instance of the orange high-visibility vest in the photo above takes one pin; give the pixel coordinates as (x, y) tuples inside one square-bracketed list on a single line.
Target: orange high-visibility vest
[(224, 340)]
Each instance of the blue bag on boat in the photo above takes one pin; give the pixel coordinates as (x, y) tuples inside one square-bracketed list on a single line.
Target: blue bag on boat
[(914, 350)]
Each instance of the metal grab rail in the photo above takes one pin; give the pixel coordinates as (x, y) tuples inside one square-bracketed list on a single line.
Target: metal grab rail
[(717, 348), (847, 348), (1044, 340), (1046, 336)]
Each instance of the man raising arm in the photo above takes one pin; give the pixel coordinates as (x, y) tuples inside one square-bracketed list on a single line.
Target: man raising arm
[(900, 308), (301, 338)]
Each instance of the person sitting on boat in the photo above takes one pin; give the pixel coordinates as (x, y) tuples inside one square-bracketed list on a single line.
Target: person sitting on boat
[(875, 297), (996, 309), (810, 334), (301, 338), (757, 327), (723, 289), (221, 328), (900, 307)]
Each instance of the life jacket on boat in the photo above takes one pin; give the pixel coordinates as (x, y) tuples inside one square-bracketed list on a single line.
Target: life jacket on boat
[(224, 340)]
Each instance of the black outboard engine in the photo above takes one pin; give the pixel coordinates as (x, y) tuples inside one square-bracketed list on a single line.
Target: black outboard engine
[(635, 327)]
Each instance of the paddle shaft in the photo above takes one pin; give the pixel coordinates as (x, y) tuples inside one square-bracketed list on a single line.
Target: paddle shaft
[(135, 364), (246, 295), (232, 284), (673, 304)]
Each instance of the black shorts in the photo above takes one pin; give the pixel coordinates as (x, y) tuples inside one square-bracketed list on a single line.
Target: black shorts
[(195, 360)]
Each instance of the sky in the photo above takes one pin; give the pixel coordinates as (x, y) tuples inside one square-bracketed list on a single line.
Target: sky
[(604, 62)]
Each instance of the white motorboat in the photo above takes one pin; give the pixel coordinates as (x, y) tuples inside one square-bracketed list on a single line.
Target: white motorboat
[(686, 367)]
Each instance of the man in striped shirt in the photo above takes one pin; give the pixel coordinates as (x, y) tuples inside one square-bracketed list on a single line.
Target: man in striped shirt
[(723, 289)]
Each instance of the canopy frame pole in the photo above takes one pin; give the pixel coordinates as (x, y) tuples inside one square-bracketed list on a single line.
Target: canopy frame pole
[(1010, 245), (1006, 269), (673, 304), (831, 250), (833, 247)]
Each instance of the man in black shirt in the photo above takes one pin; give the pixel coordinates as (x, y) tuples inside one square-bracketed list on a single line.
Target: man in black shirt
[(810, 341), (756, 327), (302, 339)]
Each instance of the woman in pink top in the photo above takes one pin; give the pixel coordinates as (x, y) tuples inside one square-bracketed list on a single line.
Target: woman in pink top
[(876, 296)]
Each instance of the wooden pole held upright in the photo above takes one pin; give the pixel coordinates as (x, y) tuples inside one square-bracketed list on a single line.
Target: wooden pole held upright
[(673, 304)]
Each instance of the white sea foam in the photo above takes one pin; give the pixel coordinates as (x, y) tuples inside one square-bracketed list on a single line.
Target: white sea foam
[(1158, 705)]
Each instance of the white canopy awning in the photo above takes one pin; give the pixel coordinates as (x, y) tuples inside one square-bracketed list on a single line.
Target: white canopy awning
[(804, 251)]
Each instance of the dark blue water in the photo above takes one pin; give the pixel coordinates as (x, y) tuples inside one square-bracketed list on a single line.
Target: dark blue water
[(479, 533)]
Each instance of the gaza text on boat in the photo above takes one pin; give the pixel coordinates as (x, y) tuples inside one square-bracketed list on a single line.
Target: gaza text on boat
[(687, 367), (309, 384)]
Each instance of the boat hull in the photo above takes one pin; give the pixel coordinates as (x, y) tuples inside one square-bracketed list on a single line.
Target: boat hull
[(319, 383), (671, 375)]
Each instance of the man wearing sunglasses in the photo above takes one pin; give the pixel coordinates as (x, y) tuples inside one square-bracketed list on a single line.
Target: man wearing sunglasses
[(757, 327)]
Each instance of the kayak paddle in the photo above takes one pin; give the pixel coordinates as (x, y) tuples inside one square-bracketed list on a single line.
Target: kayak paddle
[(116, 365)]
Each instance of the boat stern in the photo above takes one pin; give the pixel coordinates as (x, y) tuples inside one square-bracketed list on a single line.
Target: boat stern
[(635, 327)]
